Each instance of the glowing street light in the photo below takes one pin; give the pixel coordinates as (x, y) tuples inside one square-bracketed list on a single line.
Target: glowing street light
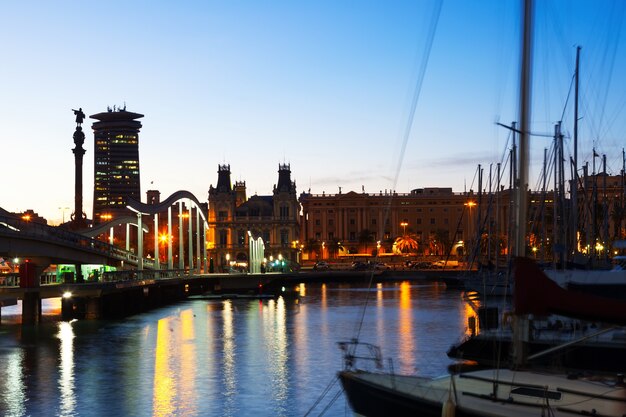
[(404, 225)]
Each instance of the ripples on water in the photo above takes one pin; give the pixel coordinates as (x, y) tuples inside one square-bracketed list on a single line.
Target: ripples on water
[(223, 357)]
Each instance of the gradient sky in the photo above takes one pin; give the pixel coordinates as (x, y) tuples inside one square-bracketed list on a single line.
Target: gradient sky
[(323, 85)]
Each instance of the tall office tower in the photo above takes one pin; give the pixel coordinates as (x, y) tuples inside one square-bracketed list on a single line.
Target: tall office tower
[(116, 163)]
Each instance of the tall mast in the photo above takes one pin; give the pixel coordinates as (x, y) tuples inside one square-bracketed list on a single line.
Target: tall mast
[(525, 86), (574, 190), (521, 326)]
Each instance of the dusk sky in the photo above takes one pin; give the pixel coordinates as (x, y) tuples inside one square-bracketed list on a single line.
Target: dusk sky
[(325, 86)]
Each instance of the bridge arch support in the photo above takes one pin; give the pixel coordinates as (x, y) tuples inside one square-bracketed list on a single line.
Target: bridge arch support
[(179, 197)]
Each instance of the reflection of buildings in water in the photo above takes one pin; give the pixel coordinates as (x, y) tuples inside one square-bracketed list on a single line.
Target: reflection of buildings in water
[(229, 378), (380, 314), (406, 339), (275, 326), (13, 400), (66, 368), (301, 335), (164, 387), (186, 359)]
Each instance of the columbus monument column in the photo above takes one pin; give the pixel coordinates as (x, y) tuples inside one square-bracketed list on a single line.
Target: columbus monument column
[(78, 217)]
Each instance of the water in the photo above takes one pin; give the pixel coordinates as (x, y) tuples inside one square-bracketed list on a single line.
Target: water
[(221, 357)]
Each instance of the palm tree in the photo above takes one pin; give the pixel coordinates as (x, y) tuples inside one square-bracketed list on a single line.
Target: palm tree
[(406, 243), (313, 245), (334, 246), (366, 237)]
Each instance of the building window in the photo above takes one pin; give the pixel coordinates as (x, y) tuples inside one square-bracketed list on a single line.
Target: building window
[(373, 222), (223, 237), (284, 237), (432, 220), (318, 222), (318, 236), (241, 238), (222, 215), (418, 221), (331, 222), (352, 222), (284, 212), (266, 237), (331, 236), (352, 236)]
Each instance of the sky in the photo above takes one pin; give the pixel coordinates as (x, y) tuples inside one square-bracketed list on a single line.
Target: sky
[(353, 94)]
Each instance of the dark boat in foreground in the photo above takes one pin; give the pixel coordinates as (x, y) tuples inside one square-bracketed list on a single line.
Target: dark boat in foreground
[(498, 392)]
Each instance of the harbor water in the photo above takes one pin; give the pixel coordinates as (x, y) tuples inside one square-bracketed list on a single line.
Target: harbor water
[(214, 357)]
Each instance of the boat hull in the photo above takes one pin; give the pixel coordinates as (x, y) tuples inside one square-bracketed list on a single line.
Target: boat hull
[(376, 400)]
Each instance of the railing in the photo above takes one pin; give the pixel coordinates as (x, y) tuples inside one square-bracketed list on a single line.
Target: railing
[(12, 280), (9, 280), (135, 275), (11, 226)]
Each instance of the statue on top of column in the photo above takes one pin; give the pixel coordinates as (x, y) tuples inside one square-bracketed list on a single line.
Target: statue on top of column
[(80, 116)]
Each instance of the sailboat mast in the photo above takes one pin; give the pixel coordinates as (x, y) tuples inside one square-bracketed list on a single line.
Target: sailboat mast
[(574, 190), (520, 329), (525, 101)]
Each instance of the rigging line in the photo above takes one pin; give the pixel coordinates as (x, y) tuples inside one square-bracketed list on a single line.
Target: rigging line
[(569, 92), (332, 401), (322, 395), (613, 46), (420, 78)]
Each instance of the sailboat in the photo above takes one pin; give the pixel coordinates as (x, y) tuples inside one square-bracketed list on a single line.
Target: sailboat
[(520, 391)]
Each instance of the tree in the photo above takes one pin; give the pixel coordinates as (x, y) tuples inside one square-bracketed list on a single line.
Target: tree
[(313, 245), (406, 243), (334, 246), (365, 237)]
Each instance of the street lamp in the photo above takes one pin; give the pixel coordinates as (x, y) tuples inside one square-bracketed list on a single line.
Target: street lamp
[(404, 225), (63, 212), (469, 206)]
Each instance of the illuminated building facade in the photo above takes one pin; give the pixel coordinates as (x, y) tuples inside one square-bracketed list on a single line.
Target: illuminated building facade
[(369, 223), (275, 218), (116, 163)]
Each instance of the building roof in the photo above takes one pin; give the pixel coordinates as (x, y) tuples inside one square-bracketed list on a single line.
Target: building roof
[(115, 116)]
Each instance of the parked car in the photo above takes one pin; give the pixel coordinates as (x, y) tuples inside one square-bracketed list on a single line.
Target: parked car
[(423, 265), (443, 264), (321, 266), (379, 266), (359, 266)]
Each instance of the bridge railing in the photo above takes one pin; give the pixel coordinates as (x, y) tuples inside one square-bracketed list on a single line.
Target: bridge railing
[(14, 226), (135, 275), (9, 280)]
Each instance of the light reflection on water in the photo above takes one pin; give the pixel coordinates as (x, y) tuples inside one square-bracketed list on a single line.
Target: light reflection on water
[(66, 368), (223, 358)]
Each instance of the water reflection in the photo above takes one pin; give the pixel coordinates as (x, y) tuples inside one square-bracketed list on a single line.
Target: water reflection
[(12, 385), (277, 349), (229, 378), (66, 368), (187, 398), (405, 329), (223, 358), (163, 382)]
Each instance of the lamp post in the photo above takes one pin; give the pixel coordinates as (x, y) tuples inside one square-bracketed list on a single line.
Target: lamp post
[(63, 213), (469, 206), (404, 225)]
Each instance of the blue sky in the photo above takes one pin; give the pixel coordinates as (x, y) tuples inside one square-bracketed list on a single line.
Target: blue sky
[(323, 85)]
